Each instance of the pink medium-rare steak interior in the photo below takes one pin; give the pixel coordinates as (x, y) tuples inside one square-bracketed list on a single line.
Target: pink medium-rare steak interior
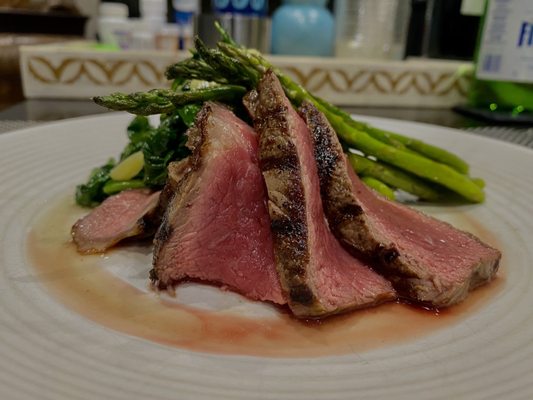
[(445, 262), (340, 279), (118, 217), (428, 260), (216, 227), (319, 276)]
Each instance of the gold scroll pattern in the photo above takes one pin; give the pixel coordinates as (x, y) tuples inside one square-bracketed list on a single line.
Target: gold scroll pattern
[(70, 71), (383, 81)]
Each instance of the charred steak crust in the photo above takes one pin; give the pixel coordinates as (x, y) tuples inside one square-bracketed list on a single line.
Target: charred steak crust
[(340, 206), (181, 175), (319, 276), (346, 216), (352, 226), (278, 160), (152, 221)]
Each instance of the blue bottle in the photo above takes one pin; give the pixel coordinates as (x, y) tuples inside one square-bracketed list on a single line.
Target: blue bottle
[(303, 27)]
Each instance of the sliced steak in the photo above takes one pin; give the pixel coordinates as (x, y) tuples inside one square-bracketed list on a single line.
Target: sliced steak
[(318, 275), (130, 213), (427, 260), (216, 226), (176, 171)]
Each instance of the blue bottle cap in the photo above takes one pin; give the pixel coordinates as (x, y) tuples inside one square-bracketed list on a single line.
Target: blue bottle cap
[(242, 7)]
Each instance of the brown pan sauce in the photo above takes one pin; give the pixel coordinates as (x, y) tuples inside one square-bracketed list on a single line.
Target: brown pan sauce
[(82, 285)]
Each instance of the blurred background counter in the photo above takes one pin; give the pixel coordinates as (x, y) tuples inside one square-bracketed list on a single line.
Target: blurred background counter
[(407, 59)]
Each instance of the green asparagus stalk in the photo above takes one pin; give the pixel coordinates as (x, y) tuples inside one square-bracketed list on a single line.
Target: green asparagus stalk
[(194, 68), (297, 94), (159, 101), (417, 164), (112, 187), (393, 177), (400, 141), (379, 186), (433, 152), (233, 64), (480, 182), (153, 102), (232, 70)]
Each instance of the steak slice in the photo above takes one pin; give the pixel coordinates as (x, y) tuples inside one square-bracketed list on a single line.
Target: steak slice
[(318, 275), (216, 226), (130, 213), (175, 172), (427, 260)]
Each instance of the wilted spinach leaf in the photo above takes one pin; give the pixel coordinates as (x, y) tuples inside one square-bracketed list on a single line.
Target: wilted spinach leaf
[(160, 146), (138, 131), (165, 144), (91, 193), (188, 113)]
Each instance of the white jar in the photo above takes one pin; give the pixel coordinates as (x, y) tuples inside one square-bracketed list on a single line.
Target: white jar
[(113, 26), (371, 28), (184, 12)]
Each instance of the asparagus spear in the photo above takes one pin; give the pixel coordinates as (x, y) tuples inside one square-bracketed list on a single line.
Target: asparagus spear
[(430, 151), (159, 101), (415, 163), (392, 177), (247, 68), (379, 187), (112, 187), (194, 68), (480, 182), (230, 63), (297, 93), (400, 141)]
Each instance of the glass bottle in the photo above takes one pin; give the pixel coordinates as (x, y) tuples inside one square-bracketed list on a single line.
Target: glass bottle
[(504, 68), (371, 28), (303, 27)]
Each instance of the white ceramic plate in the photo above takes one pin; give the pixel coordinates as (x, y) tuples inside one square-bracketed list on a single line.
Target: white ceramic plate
[(49, 351)]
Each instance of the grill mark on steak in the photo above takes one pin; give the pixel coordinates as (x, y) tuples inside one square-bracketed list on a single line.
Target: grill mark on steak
[(387, 255), (318, 275), (346, 212), (302, 294), (427, 260), (326, 159), (278, 158), (286, 162)]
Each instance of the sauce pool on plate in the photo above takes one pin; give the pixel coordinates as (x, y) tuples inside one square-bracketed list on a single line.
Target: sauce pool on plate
[(83, 285)]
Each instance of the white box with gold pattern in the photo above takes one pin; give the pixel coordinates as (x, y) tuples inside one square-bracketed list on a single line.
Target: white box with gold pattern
[(78, 70)]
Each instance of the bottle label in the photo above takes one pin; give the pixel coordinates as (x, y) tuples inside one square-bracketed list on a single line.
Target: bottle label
[(184, 22), (506, 46)]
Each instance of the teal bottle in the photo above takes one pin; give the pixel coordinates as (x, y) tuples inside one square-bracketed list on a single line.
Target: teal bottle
[(304, 28)]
